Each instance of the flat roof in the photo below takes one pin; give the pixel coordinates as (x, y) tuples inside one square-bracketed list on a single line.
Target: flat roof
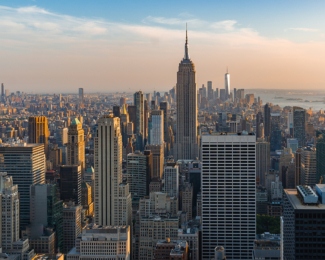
[(292, 195)]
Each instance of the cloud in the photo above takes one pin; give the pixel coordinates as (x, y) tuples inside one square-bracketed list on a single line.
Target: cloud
[(227, 25), (304, 29), (194, 23)]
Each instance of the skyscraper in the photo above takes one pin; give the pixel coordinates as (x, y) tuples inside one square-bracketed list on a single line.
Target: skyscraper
[(186, 146), (139, 174), (259, 121), (38, 131), (71, 183), (275, 135), (227, 84), (164, 107), (2, 90), (139, 108), (76, 145), (81, 95), (157, 127), (133, 117), (108, 170), (28, 169), (263, 161), (171, 179), (210, 90), (299, 125), (228, 192), (9, 201), (267, 122), (308, 166), (320, 155)]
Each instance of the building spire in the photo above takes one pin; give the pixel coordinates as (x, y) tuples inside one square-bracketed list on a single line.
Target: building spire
[(186, 55)]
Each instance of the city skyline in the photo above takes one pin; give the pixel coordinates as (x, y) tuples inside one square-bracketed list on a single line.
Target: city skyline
[(47, 46)]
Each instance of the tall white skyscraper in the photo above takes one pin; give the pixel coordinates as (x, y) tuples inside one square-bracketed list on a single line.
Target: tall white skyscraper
[(157, 128), (9, 211), (227, 84), (228, 194), (108, 170)]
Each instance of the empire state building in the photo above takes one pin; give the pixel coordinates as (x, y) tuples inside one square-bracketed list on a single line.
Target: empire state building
[(186, 145)]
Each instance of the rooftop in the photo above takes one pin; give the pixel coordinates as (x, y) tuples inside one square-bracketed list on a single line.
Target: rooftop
[(292, 195), (75, 122)]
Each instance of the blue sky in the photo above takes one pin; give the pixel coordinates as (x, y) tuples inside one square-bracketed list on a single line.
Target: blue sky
[(66, 44)]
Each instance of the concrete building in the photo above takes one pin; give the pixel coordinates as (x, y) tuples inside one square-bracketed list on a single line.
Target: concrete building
[(158, 159), (76, 145), (38, 131), (293, 144), (187, 199), (276, 134), (61, 136), (263, 161), (164, 108), (9, 209), (175, 249), (29, 171), (228, 192), (102, 242), (171, 179), (157, 127), (186, 145), (153, 229), (267, 246), (192, 236), (139, 104), (71, 225), (155, 185), (81, 95), (108, 170), (86, 200), (125, 205), (303, 224)]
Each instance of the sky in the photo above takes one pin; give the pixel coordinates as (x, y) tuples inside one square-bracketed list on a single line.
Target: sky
[(113, 46)]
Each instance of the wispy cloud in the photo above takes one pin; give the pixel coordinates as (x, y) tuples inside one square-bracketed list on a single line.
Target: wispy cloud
[(228, 25), (304, 29)]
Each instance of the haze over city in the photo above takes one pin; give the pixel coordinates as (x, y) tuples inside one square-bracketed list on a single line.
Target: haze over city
[(107, 47)]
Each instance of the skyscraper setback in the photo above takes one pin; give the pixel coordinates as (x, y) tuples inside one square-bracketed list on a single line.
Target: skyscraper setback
[(186, 146)]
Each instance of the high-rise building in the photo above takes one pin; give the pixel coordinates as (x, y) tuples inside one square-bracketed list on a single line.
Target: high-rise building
[(103, 242), (108, 170), (187, 199), (133, 116), (164, 107), (9, 201), (139, 174), (227, 84), (303, 224), (26, 164), (228, 192), (293, 144), (2, 90), (122, 101), (290, 123), (86, 200), (267, 122), (46, 211), (308, 166), (61, 136), (71, 183), (299, 125), (157, 127), (171, 179), (81, 95), (186, 146), (76, 145), (259, 121), (139, 107), (71, 225), (116, 111), (210, 90), (320, 155), (263, 161), (38, 131), (158, 159), (276, 134)]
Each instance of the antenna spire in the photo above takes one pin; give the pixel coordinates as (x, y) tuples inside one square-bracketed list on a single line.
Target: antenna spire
[(186, 55)]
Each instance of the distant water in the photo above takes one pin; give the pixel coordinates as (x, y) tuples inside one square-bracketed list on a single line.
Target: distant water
[(302, 98)]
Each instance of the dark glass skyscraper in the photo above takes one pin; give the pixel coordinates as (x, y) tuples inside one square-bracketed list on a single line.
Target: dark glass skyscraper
[(299, 125), (267, 122), (275, 137)]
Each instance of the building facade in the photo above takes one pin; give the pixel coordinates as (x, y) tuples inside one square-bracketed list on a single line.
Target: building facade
[(228, 194)]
